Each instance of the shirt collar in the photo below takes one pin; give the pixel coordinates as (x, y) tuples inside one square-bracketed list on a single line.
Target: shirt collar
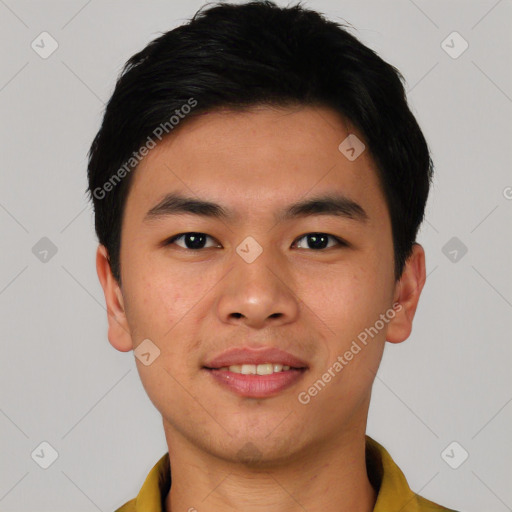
[(393, 492)]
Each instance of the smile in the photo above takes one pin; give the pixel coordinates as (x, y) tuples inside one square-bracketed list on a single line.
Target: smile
[(256, 369), (256, 381)]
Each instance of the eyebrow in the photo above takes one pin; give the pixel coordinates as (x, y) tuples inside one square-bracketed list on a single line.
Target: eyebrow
[(329, 204)]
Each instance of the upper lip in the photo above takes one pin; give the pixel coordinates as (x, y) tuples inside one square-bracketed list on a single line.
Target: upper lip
[(238, 356)]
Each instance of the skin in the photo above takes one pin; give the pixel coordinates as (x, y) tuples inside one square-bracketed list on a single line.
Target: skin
[(274, 454)]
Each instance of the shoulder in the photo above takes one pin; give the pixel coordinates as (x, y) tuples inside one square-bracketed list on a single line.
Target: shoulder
[(425, 505), (129, 506)]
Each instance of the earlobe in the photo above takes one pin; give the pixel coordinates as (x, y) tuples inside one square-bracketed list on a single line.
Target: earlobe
[(118, 329), (408, 291)]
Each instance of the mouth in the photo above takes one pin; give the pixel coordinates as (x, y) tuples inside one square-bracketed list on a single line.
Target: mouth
[(257, 369), (249, 361), (253, 373), (261, 381)]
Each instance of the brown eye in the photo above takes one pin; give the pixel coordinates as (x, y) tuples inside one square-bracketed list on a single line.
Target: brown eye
[(319, 241), (192, 241)]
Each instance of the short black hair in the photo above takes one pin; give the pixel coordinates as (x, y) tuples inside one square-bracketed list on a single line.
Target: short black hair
[(238, 56)]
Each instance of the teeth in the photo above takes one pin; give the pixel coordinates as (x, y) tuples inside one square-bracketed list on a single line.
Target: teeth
[(256, 369), (248, 369), (265, 369)]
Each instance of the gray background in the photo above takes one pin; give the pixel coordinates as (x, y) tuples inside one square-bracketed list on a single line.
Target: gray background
[(62, 382)]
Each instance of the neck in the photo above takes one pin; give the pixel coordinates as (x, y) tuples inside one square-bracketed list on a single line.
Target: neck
[(326, 478)]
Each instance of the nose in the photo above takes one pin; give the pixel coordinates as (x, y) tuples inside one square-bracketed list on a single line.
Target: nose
[(258, 294)]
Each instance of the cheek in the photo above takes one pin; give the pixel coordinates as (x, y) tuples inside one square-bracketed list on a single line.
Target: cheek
[(166, 300), (346, 301), (160, 310), (345, 297)]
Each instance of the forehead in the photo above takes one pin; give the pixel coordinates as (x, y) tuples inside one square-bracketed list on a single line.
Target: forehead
[(254, 159)]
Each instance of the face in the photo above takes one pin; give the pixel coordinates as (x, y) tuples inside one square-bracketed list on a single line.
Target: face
[(254, 273)]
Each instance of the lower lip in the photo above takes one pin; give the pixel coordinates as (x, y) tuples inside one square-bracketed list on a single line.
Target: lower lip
[(257, 386)]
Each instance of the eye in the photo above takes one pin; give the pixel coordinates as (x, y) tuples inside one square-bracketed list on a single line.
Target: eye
[(196, 241), (192, 240), (319, 240)]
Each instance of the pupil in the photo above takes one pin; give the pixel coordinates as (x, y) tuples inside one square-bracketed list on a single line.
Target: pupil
[(194, 240), (317, 241)]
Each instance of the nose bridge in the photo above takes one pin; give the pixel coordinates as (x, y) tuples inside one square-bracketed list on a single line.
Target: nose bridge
[(258, 288), (258, 268)]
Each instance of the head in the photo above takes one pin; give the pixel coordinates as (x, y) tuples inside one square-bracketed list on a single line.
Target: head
[(234, 128)]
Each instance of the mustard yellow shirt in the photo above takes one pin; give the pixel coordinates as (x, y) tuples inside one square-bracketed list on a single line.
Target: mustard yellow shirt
[(393, 492)]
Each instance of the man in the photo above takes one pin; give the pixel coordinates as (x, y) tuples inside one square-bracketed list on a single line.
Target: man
[(258, 183)]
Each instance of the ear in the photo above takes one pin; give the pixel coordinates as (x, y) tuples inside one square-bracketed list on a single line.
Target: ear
[(407, 295), (118, 330)]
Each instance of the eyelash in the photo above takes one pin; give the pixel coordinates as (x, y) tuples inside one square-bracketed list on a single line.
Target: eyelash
[(339, 241)]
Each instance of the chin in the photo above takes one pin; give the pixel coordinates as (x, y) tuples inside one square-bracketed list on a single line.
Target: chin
[(262, 452)]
